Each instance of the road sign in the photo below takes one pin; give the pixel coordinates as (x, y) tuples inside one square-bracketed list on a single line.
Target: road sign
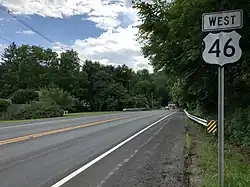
[(211, 126), (224, 20), (222, 48)]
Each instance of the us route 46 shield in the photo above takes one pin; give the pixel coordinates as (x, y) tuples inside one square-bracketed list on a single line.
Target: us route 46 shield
[(222, 48)]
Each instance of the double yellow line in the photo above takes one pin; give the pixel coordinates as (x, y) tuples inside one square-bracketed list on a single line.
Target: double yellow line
[(36, 135)]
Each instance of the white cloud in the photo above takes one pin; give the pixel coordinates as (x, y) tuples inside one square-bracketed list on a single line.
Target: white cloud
[(6, 19), (117, 44), (27, 32)]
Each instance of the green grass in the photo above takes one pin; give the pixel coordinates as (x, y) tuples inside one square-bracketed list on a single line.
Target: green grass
[(188, 141), (237, 168), (66, 115)]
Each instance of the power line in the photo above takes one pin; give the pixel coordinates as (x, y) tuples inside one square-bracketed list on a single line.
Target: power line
[(5, 39), (31, 28), (28, 26)]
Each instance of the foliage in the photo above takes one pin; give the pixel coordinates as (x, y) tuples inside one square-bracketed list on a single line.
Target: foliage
[(24, 96), (39, 109), (74, 86), (204, 165), (60, 97), (4, 104), (172, 40), (238, 128), (236, 167)]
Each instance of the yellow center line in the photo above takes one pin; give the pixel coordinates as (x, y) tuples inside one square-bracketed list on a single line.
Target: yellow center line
[(40, 134)]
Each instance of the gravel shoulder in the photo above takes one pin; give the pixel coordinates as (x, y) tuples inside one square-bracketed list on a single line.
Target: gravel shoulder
[(159, 163), (155, 159)]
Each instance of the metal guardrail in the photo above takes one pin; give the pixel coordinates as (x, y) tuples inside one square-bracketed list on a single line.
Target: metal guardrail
[(135, 109), (196, 119)]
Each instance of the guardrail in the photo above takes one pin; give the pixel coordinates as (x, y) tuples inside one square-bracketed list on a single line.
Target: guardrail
[(135, 109), (196, 119)]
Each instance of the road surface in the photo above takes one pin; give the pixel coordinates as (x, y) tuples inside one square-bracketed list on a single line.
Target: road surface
[(121, 149)]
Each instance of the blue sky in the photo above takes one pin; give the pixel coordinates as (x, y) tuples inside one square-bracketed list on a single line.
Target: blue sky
[(65, 30), (97, 29)]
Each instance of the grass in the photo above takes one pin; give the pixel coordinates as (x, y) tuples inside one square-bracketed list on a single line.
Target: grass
[(66, 115), (237, 168), (205, 160), (188, 141), (188, 138)]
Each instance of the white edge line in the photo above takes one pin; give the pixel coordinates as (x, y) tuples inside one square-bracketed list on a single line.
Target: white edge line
[(86, 166)]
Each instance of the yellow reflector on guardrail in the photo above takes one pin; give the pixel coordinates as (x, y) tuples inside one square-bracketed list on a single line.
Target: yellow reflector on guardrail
[(211, 126)]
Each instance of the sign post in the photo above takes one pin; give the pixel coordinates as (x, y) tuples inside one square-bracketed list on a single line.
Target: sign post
[(221, 48), (221, 125)]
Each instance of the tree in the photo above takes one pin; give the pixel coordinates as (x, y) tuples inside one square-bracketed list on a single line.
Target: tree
[(4, 104), (62, 79), (60, 97), (24, 96), (8, 69), (171, 38)]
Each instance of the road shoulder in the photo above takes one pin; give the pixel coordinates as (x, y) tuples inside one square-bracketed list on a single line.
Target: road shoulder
[(159, 163), (202, 157), (155, 158)]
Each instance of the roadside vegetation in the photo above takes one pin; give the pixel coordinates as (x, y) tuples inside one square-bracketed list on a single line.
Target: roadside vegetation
[(172, 40), (38, 83), (201, 160)]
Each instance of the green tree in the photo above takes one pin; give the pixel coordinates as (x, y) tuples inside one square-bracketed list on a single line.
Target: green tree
[(172, 41), (89, 86), (24, 96), (4, 104), (60, 97)]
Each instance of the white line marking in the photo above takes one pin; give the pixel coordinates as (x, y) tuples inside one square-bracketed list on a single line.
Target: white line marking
[(86, 166), (128, 159)]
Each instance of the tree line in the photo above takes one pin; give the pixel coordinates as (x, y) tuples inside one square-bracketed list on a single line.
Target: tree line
[(172, 40), (32, 74)]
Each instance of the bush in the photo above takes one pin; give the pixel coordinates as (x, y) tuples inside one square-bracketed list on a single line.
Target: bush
[(59, 96), (4, 104), (24, 96), (11, 111), (37, 110), (238, 127)]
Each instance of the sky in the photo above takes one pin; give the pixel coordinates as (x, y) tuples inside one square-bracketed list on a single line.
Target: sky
[(99, 30)]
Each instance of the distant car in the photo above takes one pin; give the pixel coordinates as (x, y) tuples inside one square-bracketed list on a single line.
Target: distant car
[(166, 108)]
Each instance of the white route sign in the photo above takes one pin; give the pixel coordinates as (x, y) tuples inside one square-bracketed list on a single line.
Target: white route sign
[(225, 20), (222, 48)]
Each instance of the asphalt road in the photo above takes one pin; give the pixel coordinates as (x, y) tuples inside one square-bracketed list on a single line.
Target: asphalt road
[(43, 153)]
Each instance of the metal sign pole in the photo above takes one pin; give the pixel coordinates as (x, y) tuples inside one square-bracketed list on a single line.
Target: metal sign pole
[(221, 48), (221, 125)]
